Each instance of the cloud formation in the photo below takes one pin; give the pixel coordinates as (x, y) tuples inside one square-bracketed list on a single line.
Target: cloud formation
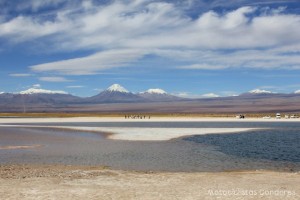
[(20, 75), (75, 86), (93, 63), (121, 33), (53, 79)]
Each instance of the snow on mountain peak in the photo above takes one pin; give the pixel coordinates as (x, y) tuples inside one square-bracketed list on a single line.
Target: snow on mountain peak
[(41, 91), (156, 91), (297, 92), (117, 88), (210, 95), (259, 91)]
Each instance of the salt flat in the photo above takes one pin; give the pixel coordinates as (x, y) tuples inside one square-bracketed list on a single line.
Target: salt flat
[(142, 134), (137, 134)]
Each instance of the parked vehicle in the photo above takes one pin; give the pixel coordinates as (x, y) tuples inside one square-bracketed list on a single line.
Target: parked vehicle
[(240, 116), (278, 116)]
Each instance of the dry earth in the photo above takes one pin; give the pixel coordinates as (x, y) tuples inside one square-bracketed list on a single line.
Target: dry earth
[(75, 182)]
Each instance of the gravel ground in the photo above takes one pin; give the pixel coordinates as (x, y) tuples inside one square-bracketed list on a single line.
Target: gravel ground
[(81, 182)]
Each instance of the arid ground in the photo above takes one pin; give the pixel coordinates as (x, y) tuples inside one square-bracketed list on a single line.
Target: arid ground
[(71, 182)]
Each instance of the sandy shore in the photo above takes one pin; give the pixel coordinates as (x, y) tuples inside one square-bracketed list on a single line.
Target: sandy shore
[(71, 182)]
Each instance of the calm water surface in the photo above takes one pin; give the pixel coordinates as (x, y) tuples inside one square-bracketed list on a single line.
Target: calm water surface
[(277, 148)]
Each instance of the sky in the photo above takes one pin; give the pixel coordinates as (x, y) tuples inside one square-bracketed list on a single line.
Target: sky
[(190, 48)]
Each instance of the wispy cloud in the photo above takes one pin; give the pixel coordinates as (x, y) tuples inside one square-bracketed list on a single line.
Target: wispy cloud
[(20, 75), (281, 88), (75, 86), (195, 96), (122, 32), (36, 86), (203, 66), (92, 64), (53, 79)]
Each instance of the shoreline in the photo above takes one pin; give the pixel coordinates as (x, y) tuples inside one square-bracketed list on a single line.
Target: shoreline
[(136, 133), (77, 182), (12, 120), (141, 134)]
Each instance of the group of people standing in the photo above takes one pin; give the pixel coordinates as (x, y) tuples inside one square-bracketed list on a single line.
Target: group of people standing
[(137, 117)]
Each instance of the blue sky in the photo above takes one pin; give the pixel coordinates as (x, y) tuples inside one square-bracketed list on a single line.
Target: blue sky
[(189, 48)]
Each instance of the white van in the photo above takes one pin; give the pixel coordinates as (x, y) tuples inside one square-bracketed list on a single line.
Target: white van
[(278, 116)]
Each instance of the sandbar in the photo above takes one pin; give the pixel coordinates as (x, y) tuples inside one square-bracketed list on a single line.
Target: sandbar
[(143, 134)]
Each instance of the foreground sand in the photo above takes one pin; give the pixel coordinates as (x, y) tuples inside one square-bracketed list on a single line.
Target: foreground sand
[(70, 182)]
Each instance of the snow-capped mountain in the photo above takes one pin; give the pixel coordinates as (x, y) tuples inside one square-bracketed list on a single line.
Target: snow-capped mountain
[(152, 100), (158, 95), (154, 91), (41, 91), (259, 91), (37, 97), (117, 88), (115, 94), (210, 95)]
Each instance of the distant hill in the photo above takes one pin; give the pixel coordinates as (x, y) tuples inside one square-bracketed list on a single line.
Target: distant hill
[(158, 95), (117, 99)]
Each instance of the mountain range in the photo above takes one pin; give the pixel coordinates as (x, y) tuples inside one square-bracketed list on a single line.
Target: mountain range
[(117, 99)]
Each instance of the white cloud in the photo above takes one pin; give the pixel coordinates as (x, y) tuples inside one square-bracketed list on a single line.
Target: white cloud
[(35, 5), (195, 96), (297, 92), (98, 89), (75, 86), (202, 66), (53, 79), (123, 32), (229, 93), (20, 75), (146, 24), (182, 94), (93, 63), (36, 86)]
